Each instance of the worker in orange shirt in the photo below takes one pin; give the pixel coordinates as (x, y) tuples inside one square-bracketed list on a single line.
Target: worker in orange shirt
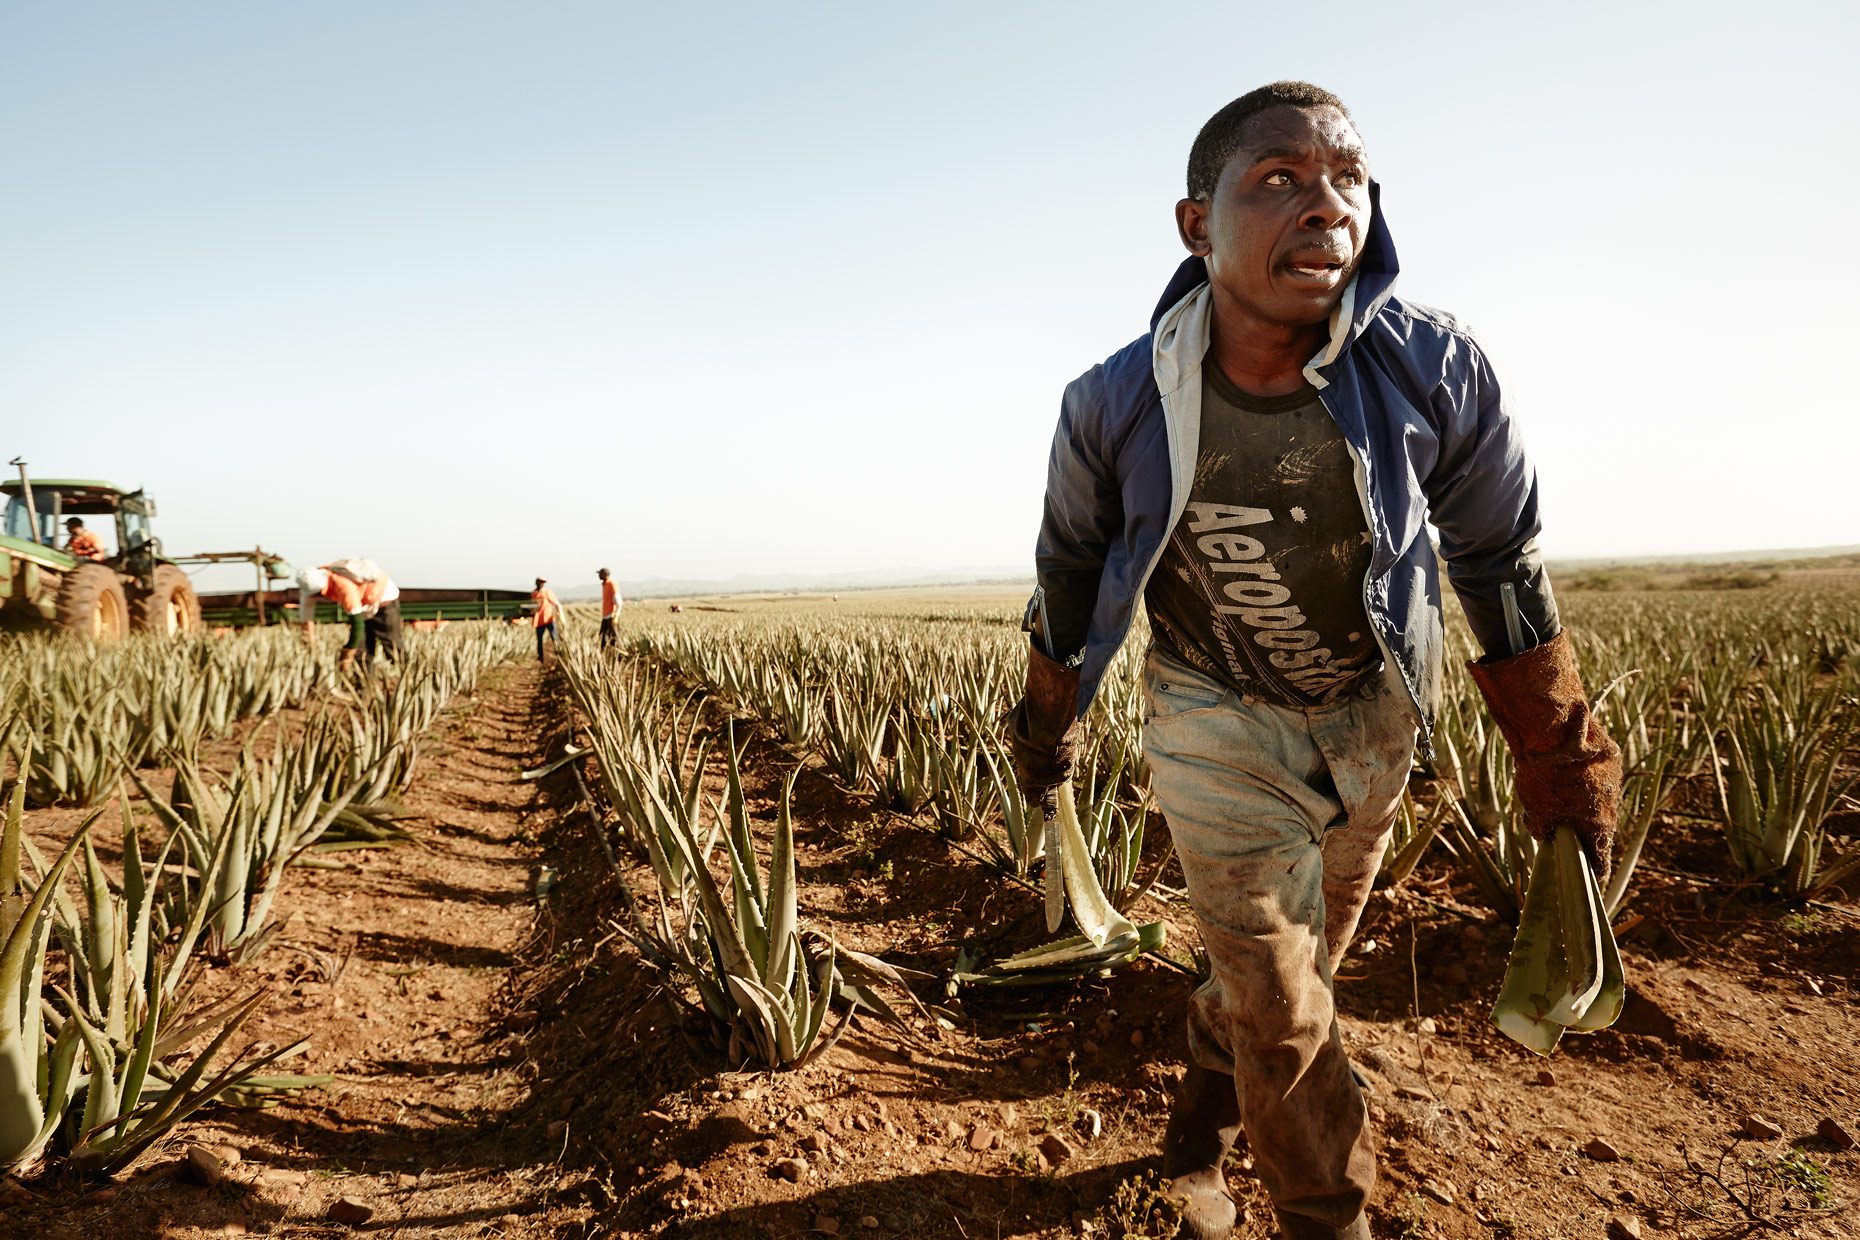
[(82, 543), (610, 607), (367, 598), (548, 612)]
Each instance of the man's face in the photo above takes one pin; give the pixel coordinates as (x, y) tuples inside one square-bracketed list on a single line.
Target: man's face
[(1283, 231)]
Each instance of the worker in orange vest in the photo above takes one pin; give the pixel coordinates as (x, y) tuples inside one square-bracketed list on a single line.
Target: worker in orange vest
[(610, 607), (548, 612), (365, 595), (82, 543)]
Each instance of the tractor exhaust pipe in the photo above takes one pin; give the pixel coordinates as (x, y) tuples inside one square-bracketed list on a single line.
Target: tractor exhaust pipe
[(25, 485)]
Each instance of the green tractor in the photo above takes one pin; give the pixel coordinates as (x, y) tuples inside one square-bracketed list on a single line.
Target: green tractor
[(131, 587)]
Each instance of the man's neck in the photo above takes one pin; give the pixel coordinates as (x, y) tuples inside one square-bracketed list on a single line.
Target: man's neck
[(1258, 357)]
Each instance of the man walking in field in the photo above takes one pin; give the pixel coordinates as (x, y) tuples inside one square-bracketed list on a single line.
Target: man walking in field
[(548, 613), (610, 607), (1258, 472)]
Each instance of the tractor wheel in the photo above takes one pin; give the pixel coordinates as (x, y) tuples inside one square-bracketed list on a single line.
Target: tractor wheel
[(91, 603), (171, 608)]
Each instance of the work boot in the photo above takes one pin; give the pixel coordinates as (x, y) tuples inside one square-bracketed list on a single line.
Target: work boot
[(1300, 1227), (1202, 1128)]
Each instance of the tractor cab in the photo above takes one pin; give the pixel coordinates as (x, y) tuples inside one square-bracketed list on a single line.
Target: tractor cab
[(108, 584), (119, 518)]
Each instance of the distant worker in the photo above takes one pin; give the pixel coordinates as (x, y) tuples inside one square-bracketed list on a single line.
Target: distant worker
[(82, 543), (548, 611), (364, 594), (610, 607)]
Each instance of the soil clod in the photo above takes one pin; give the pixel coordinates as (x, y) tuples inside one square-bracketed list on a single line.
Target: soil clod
[(350, 1210), (1758, 1128)]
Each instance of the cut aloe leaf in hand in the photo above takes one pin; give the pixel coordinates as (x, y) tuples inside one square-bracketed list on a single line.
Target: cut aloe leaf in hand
[(1565, 969), (1055, 878), (1091, 908), (1583, 929)]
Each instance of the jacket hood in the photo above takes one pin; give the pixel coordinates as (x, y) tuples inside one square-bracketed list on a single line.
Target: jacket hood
[(1368, 291)]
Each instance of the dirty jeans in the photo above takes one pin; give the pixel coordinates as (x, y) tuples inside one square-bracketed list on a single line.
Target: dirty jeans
[(1280, 817)]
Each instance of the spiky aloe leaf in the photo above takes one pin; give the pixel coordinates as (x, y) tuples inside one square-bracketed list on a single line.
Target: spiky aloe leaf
[(22, 1111), (784, 907), (101, 1099), (104, 1150)]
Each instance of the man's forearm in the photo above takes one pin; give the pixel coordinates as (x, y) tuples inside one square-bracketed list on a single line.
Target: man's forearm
[(1508, 604), (1061, 619)]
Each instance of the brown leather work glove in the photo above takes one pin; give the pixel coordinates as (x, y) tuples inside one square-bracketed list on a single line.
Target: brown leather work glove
[(1569, 770), (1045, 728)]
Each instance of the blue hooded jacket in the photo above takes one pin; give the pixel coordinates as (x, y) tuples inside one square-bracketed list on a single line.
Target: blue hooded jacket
[(1431, 435)]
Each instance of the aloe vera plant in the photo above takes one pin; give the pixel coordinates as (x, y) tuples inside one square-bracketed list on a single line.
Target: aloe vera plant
[(125, 1015), (857, 720), (766, 982), (241, 833), (1413, 833), (128, 1107), (94, 710), (1778, 778), (35, 1083)]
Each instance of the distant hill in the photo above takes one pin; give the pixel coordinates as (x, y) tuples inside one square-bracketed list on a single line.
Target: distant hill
[(1790, 557), (1802, 558), (811, 583), (1802, 568)]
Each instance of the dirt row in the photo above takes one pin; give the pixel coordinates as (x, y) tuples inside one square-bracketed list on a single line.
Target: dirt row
[(403, 972)]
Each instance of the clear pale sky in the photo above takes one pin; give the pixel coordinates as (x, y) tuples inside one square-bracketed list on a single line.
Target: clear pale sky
[(487, 290)]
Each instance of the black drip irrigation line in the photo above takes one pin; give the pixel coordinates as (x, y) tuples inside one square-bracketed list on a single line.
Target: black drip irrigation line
[(641, 940)]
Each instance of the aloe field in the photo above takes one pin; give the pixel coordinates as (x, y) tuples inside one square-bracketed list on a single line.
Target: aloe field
[(742, 928)]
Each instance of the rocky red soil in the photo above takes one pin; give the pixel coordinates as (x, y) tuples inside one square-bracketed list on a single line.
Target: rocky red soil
[(508, 1066)]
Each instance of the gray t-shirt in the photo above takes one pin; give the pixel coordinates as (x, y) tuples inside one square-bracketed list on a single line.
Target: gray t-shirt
[(1261, 585)]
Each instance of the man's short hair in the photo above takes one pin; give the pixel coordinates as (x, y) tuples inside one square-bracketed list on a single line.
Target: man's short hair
[(1220, 137), (72, 523)]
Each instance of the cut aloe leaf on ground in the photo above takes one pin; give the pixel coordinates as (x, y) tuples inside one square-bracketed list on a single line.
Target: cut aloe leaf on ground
[(1069, 959)]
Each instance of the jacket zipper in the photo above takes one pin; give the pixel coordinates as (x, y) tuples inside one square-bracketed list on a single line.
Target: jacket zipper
[(1426, 740), (1175, 514), (1514, 620)]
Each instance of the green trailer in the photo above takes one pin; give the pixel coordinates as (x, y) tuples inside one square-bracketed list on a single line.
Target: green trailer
[(243, 609)]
